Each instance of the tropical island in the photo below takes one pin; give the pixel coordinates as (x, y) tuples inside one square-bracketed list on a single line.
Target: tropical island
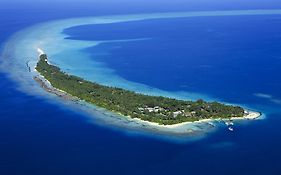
[(156, 109)]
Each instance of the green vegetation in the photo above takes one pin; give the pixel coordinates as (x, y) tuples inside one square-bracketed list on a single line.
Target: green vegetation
[(161, 110)]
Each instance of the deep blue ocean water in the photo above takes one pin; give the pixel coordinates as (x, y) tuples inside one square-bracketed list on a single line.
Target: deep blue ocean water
[(235, 59)]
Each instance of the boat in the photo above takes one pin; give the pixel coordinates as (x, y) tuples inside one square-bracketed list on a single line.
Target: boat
[(230, 129), (229, 123)]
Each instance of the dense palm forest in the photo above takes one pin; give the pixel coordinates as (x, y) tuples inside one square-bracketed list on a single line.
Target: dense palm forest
[(157, 109)]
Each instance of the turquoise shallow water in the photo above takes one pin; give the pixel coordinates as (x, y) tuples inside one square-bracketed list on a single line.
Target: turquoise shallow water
[(49, 135), (69, 53)]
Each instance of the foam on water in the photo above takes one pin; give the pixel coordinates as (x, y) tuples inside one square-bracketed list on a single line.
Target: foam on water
[(21, 50)]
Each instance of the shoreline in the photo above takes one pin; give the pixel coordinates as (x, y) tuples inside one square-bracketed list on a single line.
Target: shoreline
[(251, 116), (46, 85)]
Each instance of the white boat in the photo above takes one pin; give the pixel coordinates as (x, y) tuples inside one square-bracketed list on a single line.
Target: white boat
[(229, 123), (230, 129)]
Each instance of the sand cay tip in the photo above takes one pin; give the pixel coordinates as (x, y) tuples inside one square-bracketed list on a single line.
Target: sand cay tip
[(252, 115), (40, 51)]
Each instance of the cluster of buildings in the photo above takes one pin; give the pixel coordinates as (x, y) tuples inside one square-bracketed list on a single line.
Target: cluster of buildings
[(158, 109)]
